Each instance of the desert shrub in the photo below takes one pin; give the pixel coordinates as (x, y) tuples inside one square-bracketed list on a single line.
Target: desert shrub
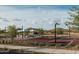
[(3, 42), (52, 44), (76, 47), (58, 45), (70, 46), (5, 48), (35, 44), (42, 44), (27, 43)]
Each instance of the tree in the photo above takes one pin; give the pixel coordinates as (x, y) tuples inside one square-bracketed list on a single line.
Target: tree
[(40, 30), (74, 16), (58, 30), (12, 31), (2, 31)]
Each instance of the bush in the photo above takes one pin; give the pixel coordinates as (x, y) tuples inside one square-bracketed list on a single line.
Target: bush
[(52, 44), (34, 43), (76, 47), (42, 44), (58, 45)]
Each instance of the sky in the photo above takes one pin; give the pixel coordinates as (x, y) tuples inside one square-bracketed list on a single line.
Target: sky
[(36, 16)]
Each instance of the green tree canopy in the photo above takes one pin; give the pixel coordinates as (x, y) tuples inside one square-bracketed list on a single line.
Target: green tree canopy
[(74, 17), (58, 30), (12, 31)]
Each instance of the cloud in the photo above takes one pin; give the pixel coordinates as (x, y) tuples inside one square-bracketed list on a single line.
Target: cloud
[(5, 20), (17, 19), (32, 17)]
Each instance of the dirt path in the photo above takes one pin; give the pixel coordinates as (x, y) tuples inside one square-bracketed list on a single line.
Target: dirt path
[(43, 50)]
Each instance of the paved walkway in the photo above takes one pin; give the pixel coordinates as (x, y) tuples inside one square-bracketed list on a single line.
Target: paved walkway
[(43, 50)]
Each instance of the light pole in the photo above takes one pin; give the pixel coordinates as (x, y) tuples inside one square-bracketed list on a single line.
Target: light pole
[(68, 25), (22, 31), (56, 31), (5, 32), (69, 32)]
